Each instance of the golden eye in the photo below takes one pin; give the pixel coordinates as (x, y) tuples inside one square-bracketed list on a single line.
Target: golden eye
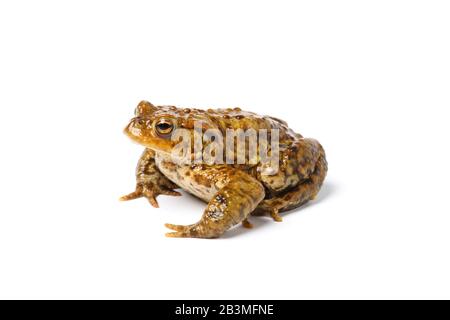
[(164, 127)]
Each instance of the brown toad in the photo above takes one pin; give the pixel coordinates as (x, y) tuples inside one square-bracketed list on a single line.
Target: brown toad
[(233, 190)]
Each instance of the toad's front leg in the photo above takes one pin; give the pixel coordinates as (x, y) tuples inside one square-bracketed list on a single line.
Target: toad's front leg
[(150, 182), (229, 206)]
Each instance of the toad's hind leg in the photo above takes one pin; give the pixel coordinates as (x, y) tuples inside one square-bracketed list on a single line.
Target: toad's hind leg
[(313, 169), (230, 206)]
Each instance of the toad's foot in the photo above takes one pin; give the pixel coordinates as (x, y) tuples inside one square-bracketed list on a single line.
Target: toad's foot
[(230, 206), (271, 208), (275, 215), (150, 192), (247, 224), (194, 230), (150, 183)]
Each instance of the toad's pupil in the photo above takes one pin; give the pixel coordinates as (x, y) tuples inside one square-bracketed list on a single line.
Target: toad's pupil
[(164, 127)]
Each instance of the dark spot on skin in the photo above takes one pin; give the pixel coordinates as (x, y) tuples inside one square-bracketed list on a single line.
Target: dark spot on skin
[(200, 179), (220, 199), (170, 165), (187, 110), (239, 117), (226, 116)]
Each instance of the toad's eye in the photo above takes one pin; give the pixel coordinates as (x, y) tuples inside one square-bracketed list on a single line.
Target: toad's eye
[(164, 127)]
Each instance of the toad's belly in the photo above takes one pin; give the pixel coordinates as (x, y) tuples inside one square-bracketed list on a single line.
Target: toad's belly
[(184, 177)]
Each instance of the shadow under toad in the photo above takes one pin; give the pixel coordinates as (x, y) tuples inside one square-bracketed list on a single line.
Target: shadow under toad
[(328, 189)]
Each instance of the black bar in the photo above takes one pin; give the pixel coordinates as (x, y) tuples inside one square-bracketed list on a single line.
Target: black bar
[(215, 309)]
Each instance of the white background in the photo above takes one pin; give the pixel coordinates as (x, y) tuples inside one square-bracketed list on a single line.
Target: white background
[(369, 79)]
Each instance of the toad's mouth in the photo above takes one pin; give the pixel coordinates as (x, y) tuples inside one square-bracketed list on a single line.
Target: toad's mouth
[(147, 140)]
